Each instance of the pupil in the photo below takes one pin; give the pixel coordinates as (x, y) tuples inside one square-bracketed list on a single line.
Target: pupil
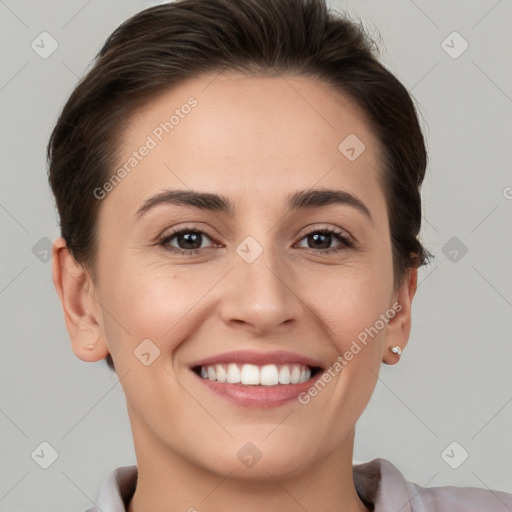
[(323, 237), (191, 238)]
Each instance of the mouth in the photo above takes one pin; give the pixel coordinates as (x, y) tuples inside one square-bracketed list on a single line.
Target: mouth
[(255, 375), (254, 379)]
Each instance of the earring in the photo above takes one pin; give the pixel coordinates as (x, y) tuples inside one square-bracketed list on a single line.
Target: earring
[(396, 350)]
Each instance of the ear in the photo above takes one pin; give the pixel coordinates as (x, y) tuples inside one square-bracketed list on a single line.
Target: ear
[(81, 310), (399, 327)]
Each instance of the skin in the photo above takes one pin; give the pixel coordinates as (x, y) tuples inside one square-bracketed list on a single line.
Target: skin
[(254, 140)]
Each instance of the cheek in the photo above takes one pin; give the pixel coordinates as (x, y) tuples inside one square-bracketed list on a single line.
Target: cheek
[(350, 299), (156, 303)]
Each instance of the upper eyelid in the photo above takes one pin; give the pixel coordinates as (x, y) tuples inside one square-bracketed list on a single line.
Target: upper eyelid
[(314, 229)]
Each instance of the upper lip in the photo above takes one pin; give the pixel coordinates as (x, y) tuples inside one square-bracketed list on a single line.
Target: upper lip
[(258, 358)]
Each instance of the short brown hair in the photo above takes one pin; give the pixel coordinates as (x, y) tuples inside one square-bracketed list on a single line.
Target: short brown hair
[(164, 45)]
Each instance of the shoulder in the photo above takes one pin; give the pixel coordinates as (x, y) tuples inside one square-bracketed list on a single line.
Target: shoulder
[(463, 499), (381, 483)]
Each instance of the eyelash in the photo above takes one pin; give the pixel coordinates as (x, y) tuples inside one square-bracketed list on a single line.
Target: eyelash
[(346, 242)]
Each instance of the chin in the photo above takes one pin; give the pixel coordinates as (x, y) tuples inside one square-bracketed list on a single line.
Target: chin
[(263, 470), (260, 460)]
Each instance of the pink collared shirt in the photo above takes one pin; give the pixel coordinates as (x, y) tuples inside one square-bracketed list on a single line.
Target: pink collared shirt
[(378, 483)]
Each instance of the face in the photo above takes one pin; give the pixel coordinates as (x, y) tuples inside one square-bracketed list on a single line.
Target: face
[(271, 282)]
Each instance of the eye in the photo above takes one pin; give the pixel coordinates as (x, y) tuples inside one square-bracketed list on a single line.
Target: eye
[(189, 241), (321, 239)]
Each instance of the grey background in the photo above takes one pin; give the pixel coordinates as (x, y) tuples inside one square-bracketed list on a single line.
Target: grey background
[(454, 381)]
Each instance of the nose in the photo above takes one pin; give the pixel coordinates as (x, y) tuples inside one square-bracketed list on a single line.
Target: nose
[(259, 296)]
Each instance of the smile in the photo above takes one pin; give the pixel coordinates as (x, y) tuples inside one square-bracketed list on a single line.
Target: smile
[(254, 375), (251, 378)]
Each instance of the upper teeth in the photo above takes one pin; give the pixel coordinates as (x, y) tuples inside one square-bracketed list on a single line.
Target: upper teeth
[(250, 374)]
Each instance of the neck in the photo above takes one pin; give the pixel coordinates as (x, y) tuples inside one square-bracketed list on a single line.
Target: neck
[(169, 482)]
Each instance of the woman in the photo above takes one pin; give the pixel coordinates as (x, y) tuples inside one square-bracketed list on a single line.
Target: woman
[(238, 185)]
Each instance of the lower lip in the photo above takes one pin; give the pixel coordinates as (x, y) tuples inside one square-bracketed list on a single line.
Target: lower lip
[(258, 396)]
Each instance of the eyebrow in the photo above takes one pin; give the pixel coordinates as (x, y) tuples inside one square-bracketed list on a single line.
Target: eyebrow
[(312, 198)]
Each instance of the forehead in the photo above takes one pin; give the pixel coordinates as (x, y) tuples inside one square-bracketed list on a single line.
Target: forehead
[(248, 135)]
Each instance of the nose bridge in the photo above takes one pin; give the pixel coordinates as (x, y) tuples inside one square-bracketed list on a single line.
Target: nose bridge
[(260, 267), (259, 294)]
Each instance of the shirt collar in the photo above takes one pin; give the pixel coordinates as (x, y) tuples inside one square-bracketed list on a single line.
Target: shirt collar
[(381, 485)]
